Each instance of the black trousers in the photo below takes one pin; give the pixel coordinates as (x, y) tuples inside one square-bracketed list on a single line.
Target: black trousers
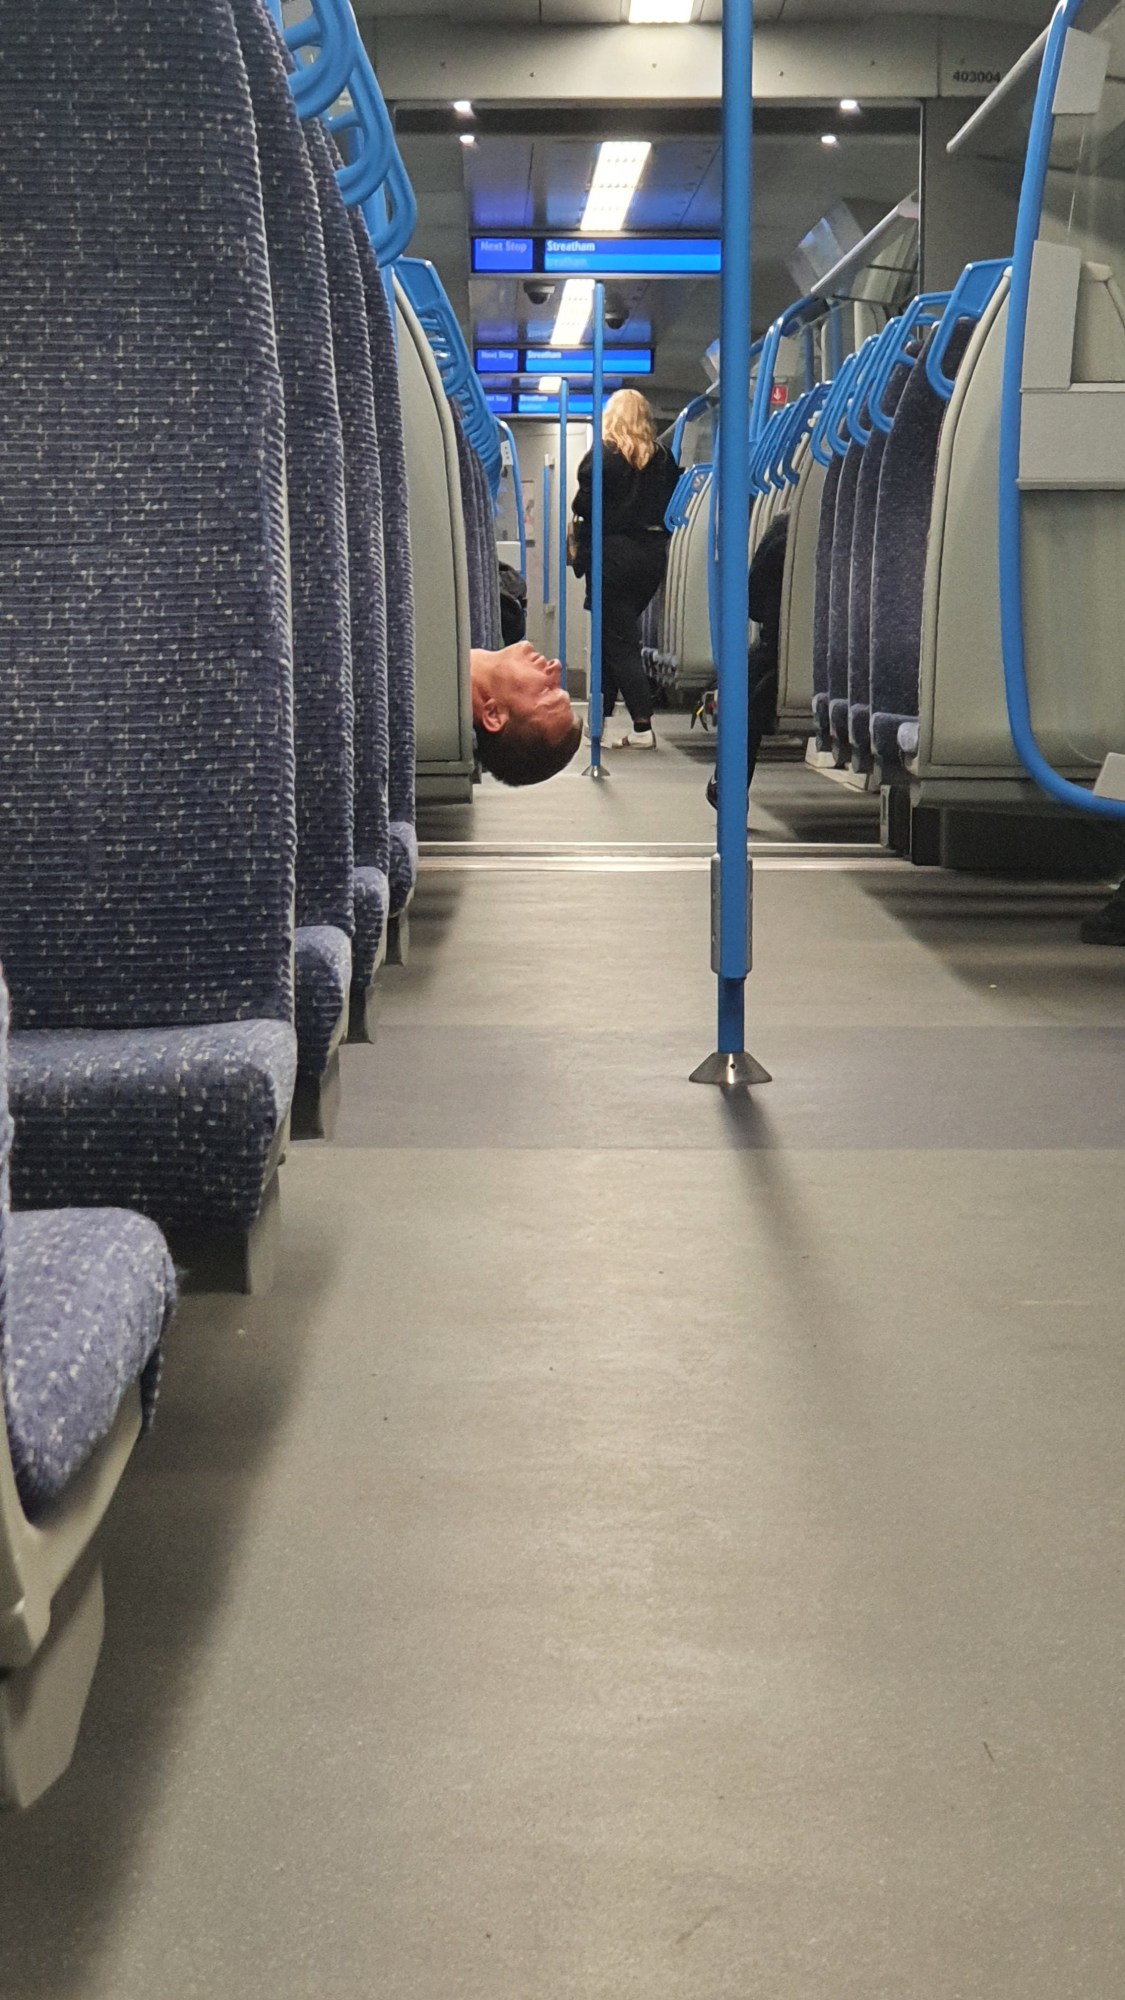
[(633, 571)]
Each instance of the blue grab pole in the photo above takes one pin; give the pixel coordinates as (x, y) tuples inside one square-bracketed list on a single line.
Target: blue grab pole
[(564, 579), (734, 526), (597, 485), (1011, 424), (546, 536)]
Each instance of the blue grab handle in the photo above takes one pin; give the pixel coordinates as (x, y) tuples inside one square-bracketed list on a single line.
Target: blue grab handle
[(697, 408), (789, 431), (688, 485), (831, 410), (969, 299), (331, 30), (367, 116), (814, 403), (922, 312)]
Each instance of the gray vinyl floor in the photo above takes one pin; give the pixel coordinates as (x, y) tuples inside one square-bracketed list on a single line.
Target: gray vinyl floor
[(646, 1547)]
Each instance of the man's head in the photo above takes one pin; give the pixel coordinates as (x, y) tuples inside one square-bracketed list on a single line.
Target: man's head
[(526, 728)]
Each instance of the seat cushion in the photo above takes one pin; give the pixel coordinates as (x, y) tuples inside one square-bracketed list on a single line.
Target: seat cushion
[(404, 864), (324, 979), (372, 909), (90, 1293), (180, 1123)]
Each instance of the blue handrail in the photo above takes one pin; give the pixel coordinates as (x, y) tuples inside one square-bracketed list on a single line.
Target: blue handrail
[(374, 177), (546, 535), (814, 403), (969, 300), (789, 322), (831, 411), (597, 551), (564, 505), (730, 526), (1011, 429), (509, 437), (922, 312), (439, 322), (364, 114), (688, 485), (331, 30), (697, 408)]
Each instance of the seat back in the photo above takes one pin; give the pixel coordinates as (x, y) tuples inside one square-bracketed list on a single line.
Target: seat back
[(147, 825), (1074, 576), (898, 567), (398, 566), (863, 557), (363, 491), (314, 453), (839, 596), (822, 599), (437, 529), (798, 596)]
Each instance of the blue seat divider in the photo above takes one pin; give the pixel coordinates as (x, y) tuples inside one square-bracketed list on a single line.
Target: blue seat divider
[(318, 560), (85, 1299), (147, 819), (367, 582), (399, 574), (863, 556), (823, 601), (898, 570)]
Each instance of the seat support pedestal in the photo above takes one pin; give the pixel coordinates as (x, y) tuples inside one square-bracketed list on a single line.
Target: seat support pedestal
[(41, 1704)]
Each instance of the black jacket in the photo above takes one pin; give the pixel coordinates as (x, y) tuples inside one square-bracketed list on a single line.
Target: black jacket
[(635, 503)]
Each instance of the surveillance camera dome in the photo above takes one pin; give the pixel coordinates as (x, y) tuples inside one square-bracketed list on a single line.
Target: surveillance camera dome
[(616, 312), (539, 293)]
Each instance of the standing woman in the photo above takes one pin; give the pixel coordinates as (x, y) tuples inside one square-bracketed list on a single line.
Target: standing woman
[(640, 479)]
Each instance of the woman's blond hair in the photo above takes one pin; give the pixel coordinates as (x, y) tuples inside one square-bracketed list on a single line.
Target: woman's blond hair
[(630, 425)]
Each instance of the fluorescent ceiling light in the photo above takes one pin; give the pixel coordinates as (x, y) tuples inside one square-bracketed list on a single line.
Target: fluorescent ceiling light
[(849, 105), (616, 178), (463, 106), (660, 13), (549, 385), (575, 307)]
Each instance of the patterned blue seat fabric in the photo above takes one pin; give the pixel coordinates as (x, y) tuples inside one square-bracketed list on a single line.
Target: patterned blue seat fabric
[(490, 566), (898, 570), (399, 573), (476, 506), (823, 599), (367, 584), (182, 1123), (863, 556), (147, 830), (839, 596), (85, 1298), (318, 549)]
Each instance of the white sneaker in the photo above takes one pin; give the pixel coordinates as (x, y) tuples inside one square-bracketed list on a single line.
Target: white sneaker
[(636, 739)]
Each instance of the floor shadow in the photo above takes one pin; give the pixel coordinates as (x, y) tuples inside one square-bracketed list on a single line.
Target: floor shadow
[(68, 1866)]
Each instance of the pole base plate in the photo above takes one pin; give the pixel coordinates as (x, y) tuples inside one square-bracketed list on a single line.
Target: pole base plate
[(595, 771), (731, 1072)]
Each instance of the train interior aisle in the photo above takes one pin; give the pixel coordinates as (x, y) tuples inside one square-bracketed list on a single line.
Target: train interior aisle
[(483, 1517), (646, 1543)]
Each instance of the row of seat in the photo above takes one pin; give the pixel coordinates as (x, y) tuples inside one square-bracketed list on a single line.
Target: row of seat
[(207, 727), (890, 631)]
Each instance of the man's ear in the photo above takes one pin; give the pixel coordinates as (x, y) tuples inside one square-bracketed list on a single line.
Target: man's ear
[(493, 715)]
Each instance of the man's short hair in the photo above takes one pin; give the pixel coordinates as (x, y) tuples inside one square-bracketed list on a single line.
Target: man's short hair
[(523, 756)]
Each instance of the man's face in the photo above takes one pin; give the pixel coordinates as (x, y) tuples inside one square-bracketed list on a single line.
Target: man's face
[(526, 688)]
